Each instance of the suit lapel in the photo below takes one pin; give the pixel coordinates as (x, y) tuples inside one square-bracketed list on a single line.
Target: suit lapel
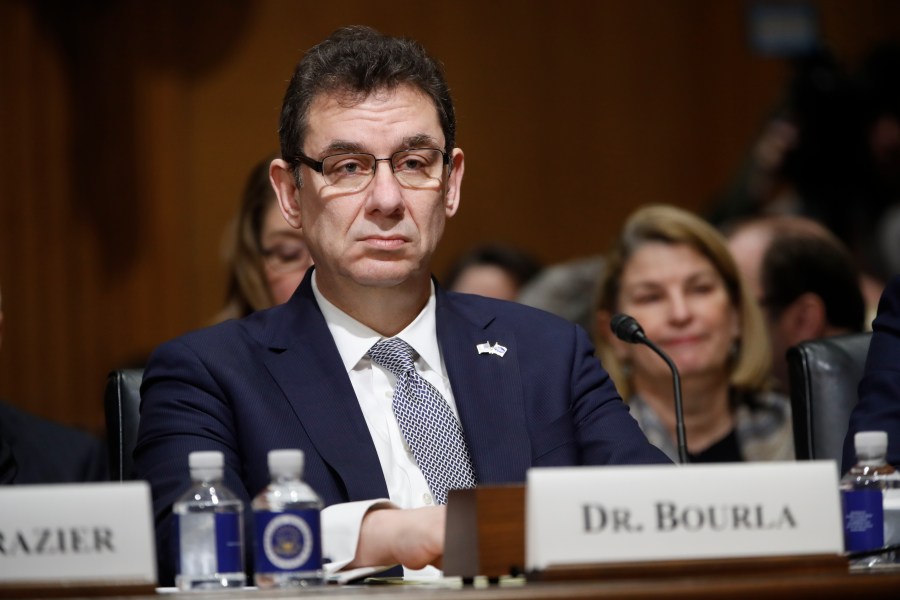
[(304, 361), (487, 389)]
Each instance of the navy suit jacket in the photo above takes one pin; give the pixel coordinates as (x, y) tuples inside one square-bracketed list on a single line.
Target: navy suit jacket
[(276, 380), (37, 450), (878, 408)]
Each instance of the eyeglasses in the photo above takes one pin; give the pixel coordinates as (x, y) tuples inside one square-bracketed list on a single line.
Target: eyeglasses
[(417, 168), (286, 258)]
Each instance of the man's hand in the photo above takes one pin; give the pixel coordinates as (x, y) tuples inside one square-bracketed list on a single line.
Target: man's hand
[(411, 537)]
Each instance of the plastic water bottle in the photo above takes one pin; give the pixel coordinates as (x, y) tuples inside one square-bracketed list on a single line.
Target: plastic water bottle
[(865, 491), (288, 530), (209, 528)]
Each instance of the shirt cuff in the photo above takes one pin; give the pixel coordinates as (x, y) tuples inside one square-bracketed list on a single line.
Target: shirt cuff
[(340, 532)]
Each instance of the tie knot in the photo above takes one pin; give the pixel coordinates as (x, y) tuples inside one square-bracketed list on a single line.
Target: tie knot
[(393, 354)]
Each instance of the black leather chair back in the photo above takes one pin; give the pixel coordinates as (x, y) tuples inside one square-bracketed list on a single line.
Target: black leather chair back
[(824, 377), (122, 403)]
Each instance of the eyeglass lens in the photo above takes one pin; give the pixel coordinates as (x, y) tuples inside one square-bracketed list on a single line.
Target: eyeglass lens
[(416, 168)]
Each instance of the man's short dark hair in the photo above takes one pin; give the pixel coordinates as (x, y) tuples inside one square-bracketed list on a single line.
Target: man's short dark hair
[(357, 61), (801, 261)]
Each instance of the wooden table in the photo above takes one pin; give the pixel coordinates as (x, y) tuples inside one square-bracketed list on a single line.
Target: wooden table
[(869, 585)]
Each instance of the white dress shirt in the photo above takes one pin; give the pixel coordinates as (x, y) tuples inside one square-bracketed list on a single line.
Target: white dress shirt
[(374, 387)]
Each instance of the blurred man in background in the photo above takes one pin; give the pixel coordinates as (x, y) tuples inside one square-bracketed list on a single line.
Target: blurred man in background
[(34, 450), (804, 279)]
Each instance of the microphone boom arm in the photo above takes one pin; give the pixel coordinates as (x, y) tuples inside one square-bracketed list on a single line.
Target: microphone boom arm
[(679, 409)]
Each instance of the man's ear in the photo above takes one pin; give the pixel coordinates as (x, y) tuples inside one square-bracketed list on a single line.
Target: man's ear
[(454, 182), (285, 185)]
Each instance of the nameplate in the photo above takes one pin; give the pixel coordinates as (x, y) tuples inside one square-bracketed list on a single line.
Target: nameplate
[(75, 533), (587, 515)]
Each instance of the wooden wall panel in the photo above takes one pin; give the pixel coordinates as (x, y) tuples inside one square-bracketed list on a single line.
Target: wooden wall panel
[(127, 128)]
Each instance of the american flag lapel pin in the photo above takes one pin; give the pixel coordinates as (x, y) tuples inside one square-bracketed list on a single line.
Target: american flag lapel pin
[(488, 348)]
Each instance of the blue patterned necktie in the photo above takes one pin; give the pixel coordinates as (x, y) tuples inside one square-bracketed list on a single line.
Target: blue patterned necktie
[(429, 426)]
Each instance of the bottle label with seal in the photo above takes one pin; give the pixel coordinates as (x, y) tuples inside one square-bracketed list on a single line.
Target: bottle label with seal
[(288, 541)]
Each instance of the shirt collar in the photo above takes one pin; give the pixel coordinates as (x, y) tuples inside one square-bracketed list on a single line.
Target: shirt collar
[(353, 339)]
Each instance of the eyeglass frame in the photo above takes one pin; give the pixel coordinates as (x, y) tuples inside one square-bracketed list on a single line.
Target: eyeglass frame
[(319, 165)]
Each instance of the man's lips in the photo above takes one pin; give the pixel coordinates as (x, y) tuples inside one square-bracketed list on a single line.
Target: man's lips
[(385, 243)]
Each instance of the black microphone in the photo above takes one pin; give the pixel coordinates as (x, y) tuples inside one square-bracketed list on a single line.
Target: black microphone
[(629, 330)]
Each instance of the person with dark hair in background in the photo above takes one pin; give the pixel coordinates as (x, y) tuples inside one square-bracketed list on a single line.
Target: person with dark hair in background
[(35, 450), (267, 258), (878, 408), (396, 390), (804, 279), (492, 270)]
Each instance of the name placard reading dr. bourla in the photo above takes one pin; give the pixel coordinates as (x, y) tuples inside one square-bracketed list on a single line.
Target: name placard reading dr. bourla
[(71, 533), (586, 515)]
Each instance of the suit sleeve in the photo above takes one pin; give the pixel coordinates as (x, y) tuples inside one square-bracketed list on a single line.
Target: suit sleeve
[(878, 408), (605, 430), (182, 410)]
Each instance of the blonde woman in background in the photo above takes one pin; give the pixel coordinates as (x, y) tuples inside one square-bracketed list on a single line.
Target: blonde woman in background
[(672, 271), (267, 257)]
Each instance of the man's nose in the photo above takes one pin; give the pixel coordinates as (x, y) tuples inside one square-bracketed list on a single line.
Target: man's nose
[(385, 192)]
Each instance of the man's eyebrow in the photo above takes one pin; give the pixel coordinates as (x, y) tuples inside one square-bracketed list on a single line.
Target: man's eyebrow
[(341, 146), (420, 140)]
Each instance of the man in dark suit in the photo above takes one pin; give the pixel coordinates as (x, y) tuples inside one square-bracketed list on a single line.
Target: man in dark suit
[(507, 387), (35, 450), (878, 408)]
